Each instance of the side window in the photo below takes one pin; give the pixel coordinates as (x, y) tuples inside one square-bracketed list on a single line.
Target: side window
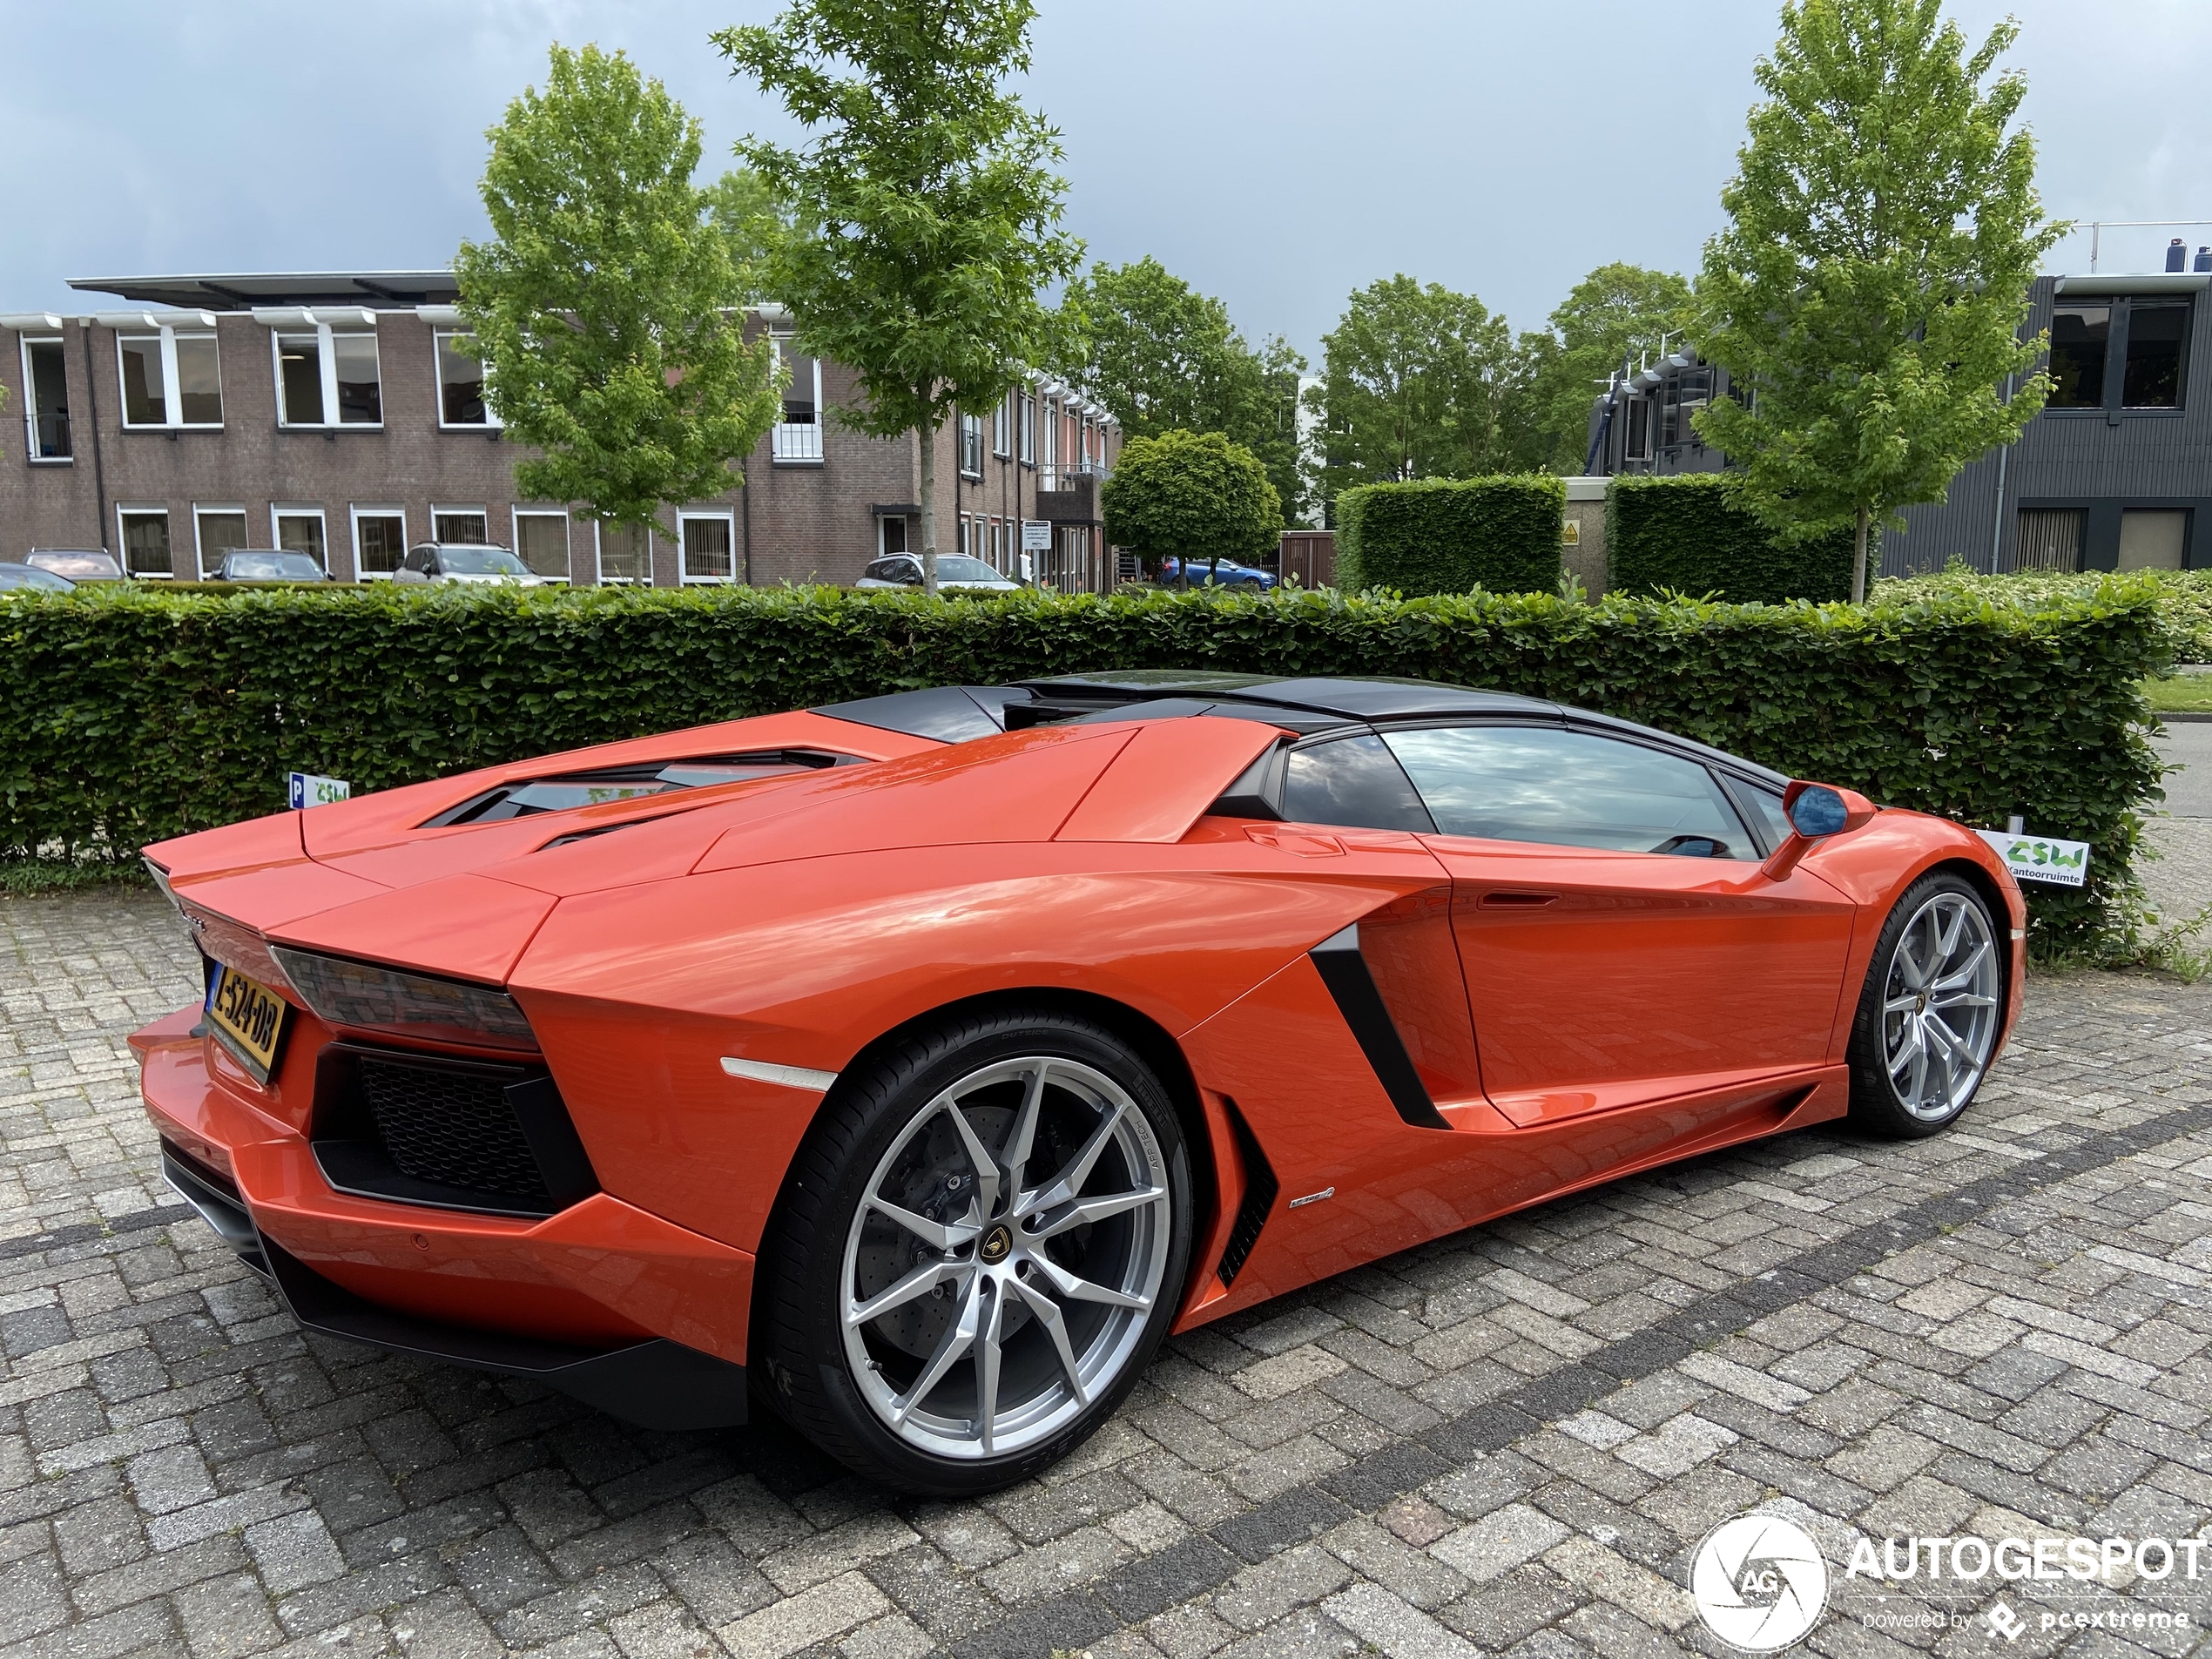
[(1763, 807), (906, 570), (879, 571), (419, 561), (1351, 782), (1542, 783)]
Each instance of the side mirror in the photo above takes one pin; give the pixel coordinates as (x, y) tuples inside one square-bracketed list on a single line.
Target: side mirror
[(1816, 811)]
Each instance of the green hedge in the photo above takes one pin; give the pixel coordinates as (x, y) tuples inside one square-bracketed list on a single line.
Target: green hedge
[(2184, 596), (1452, 535), (1684, 535), (127, 714)]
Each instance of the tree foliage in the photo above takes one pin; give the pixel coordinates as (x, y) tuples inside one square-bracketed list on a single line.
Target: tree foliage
[(1618, 314), (1163, 357), (1192, 495), (1871, 283), (740, 205), (1415, 384), (925, 207), (598, 305)]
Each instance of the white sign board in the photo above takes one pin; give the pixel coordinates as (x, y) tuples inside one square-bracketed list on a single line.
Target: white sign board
[(309, 789), (2040, 858), (1036, 536)]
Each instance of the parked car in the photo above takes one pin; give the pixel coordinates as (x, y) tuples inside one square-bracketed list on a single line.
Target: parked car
[(1225, 573), (956, 572), (466, 563), (23, 578), (94, 565), (272, 565), (934, 1069)]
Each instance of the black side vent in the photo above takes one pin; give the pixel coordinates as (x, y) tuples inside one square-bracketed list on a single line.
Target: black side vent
[(453, 1134), (1345, 971), (525, 797), (1260, 1188)]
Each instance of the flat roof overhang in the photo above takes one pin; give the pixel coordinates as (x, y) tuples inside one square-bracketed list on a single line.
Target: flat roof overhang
[(386, 290)]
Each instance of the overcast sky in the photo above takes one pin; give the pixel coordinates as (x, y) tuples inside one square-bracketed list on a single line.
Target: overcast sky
[(1277, 152)]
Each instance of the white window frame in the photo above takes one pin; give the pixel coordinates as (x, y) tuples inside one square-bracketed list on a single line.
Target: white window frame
[(1002, 427), (883, 551), (721, 516), (172, 393), (516, 516), (326, 361), (204, 508), (142, 510), (599, 576), (1027, 434), (795, 443), (358, 510), (24, 343), (491, 422), (279, 509), (452, 511), (971, 423)]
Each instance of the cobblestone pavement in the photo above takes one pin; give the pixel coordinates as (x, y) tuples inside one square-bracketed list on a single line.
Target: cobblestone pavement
[(1510, 1441)]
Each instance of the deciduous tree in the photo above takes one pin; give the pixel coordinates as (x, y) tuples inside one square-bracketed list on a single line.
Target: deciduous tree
[(1619, 313), (1191, 496), (926, 212), (1414, 384), (601, 306), (1869, 288), (1162, 357)]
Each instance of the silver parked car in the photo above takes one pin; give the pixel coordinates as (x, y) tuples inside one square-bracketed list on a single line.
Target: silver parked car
[(28, 578), (956, 572), (78, 565), (467, 563)]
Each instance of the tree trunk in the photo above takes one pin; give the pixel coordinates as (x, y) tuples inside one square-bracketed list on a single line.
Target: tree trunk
[(1858, 562), (929, 435)]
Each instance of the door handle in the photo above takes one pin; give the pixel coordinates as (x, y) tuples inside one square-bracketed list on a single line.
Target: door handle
[(1515, 899)]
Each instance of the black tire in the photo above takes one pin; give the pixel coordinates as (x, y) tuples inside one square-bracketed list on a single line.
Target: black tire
[(799, 1330), (1879, 1102)]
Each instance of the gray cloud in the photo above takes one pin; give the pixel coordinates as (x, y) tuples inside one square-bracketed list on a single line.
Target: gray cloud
[(1277, 152)]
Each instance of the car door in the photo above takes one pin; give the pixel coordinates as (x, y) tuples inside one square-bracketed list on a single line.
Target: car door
[(1620, 941)]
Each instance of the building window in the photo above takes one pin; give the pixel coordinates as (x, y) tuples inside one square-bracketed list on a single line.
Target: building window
[(298, 529), (460, 524), (460, 384), (2157, 333), (1029, 430), (328, 379), (971, 445), (1002, 427), (625, 555), (45, 410), (2050, 539), (890, 536), (218, 529), (380, 541), (2079, 337), (1637, 443), (797, 439), (2153, 539), (542, 542), (1050, 467), (170, 380), (145, 541), (709, 548)]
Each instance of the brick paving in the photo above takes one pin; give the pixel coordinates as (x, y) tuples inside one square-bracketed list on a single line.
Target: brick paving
[(1511, 1441)]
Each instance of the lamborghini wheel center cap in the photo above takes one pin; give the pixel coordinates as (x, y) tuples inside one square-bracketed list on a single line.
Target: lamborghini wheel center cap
[(996, 1245)]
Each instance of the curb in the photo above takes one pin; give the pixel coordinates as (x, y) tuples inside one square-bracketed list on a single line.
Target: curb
[(2185, 718)]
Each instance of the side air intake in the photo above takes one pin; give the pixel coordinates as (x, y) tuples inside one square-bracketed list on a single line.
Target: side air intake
[(1344, 970)]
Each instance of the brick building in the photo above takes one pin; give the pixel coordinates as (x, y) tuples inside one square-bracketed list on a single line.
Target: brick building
[(331, 413)]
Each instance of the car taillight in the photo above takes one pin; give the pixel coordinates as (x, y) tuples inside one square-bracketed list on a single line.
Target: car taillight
[(366, 997)]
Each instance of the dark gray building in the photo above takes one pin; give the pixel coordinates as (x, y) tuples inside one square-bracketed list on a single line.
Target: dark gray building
[(2114, 474)]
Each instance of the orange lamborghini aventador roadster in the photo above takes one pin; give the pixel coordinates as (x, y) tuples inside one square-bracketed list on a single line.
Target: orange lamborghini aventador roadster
[(930, 1057)]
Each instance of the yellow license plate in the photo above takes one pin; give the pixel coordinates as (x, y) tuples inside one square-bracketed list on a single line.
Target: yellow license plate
[(246, 1017)]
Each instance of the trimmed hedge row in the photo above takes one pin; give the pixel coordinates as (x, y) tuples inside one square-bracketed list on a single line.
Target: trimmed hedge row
[(1685, 535), (1452, 534), (2184, 596), (128, 714)]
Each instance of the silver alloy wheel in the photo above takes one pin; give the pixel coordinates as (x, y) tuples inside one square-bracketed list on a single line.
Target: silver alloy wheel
[(1939, 1007), (987, 1302)]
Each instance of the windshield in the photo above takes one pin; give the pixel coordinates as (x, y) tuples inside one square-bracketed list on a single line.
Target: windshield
[(480, 561), (272, 567), (958, 566), (22, 576), (76, 565)]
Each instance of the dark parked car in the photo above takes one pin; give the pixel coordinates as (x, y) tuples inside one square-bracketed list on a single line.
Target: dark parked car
[(270, 564), (97, 565), (28, 578)]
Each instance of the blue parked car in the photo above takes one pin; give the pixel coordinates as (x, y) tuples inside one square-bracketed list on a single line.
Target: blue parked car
[(1227, 573)]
